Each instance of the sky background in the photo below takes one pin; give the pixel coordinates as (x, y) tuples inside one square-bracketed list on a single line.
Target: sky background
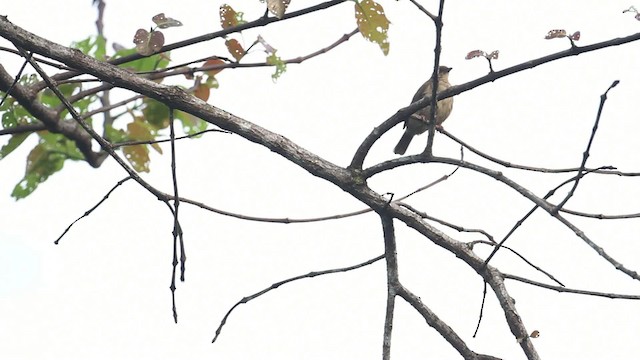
[(103, 293)]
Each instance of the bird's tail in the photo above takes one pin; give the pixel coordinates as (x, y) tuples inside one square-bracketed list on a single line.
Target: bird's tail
[(403, 144)]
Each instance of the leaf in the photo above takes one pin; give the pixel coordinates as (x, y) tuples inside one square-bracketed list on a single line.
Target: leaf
[(44, 160), (155, 114), (553, 34), (270, 49), (480, 53), (190, 123), (202, 92), (213, 62), (235, 49), (148, 63), (165, 22), (475, 54), (94, 46), (229, 18), (138, 157), (575, 36), (148, 43), (13, 143), (278, 7), (372, 23), (280, 65), (535, 334)]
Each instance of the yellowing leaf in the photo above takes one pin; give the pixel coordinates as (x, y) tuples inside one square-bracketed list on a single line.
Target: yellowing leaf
[(372, 23), (235, 49), (278, 7), (138, 157)]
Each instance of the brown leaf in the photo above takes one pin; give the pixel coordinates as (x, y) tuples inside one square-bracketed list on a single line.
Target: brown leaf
[(278, 7), (165, 22), (553, 34), (474, 54), (148, 43), (213, 62), (228, 17), (235, 49), (202, 92)]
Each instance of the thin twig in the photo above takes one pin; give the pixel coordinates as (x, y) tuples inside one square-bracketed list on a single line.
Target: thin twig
[(150, 142), (563, 289), (17, 77), (177, 230), (484, 297), (585, 155), (526, 216), (274, 286), (536, 267), (88, 212), (428, 151)]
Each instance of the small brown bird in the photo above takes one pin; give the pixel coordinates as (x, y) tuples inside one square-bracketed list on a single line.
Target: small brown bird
[(419, 122)]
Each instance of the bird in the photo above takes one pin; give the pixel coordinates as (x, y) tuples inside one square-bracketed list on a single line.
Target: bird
[(419, 122)]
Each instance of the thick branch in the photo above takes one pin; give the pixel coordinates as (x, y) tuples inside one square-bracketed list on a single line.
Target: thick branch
[(49, 117)]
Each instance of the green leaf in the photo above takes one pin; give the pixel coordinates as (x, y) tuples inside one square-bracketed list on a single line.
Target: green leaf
[(280, 65), (50, 99), (156, 113), (372, 23), (94, 46), (14, 116), (154, 62), (44, 160), (190, 123), (14, 142)]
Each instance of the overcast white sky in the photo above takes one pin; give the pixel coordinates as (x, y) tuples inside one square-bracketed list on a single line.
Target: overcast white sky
[(103, 293)]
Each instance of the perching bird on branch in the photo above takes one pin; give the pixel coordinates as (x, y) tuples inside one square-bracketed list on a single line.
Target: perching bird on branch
[(419, 122)]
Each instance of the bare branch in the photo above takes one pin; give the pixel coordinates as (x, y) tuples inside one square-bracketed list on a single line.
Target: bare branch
[(563, 289), (88, 212), (440, 326), (393, 282), (177, 229), (585, 156), (274, 286)]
